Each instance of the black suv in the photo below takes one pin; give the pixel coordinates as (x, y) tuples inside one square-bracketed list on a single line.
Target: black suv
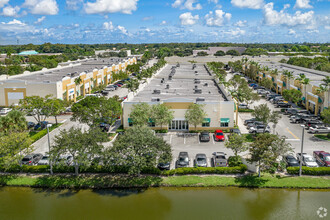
[(183, 160), (283, 105), (204, 136)]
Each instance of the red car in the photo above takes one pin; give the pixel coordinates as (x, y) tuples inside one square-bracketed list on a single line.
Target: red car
[(119, 85), (219, 136), (323, 158)]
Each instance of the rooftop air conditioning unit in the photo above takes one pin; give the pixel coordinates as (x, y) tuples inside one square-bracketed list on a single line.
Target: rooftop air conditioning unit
[(167, 86), (200, 99), (206, 84), (155, 99), (46, 81), (170, 77), (196, 87), (197, 81), (156, 91), (198, 91)]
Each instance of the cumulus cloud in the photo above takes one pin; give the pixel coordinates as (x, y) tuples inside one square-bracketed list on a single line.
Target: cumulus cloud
[(273, 17), (253, 4), (188, 19), (42, 7), (122, 29), (3, 3), (111, 6), (73, 4), (218, 18), (15, 26), (302, 4), (40, 20), (213, 1), (10, 11), (148, 18), (108, 26), (163, 23), (241, 23), (188, 4), (292, 32), (235, 32)]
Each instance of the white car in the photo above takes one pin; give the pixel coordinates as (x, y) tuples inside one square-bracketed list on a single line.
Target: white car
[(319, 129), (5, 111), (307, 160), (44, 160)]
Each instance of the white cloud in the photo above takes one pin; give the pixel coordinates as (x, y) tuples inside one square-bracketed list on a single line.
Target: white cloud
[(10, 11), (73, 4), (42, 7), (292, 32), (213, 1), (253, 4), (273, 17), (3, 3), (235, 32), (111, 6), (241, 23), (313, 31), (188, 19), (122, 29), (218, 18), (108, 26), (41, 19), (16, 26), (148, 18), (302, 4), (188, 4), (163, 23)]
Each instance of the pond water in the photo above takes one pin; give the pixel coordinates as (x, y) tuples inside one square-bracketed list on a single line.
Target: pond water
[(162, 203)]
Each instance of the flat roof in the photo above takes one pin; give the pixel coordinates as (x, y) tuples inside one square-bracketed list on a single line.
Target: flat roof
[(182, 86), (56, 75), (313, 75)]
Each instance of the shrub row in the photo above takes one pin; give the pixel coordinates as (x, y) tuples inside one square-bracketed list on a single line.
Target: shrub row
[(314, 171), (122, 169), (245, 110), (206, 170)]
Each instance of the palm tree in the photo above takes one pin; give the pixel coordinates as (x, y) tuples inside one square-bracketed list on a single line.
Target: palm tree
[(325, 87), (305, 82), (13, 121), (77, 81), (288, 76)]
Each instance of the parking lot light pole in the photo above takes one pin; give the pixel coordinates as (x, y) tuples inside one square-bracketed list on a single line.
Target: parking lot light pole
[(50, 161), (302, 149)]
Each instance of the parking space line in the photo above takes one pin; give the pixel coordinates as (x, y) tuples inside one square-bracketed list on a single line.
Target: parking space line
[(170, 139), (292, 134), (213, 139), (199, 142), (184, 139)]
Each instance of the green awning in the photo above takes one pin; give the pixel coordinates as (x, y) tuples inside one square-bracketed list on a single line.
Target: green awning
[(206, 120), (151, 120), (320, 100), (130, 120), (303, 98), (224, 120), (284, 84)]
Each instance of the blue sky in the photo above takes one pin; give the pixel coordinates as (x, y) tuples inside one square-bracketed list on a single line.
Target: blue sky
[(163, 21)]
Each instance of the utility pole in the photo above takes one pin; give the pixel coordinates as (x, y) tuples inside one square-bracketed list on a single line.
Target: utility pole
[(302, 150), (50, 161)]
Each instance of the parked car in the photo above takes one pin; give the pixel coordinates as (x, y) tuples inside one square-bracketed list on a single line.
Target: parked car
[(319, 129), (219, 136), (271, 96), (249, 121), (31, 124), (183, 160), (44, 160), (41, 125), (105, 93), (260, 129), (277, 99), (243, 106), (31, 159), (105, 127), (219, 159), (110, 88), (291, 161), (283, 104), (313, 123), (294, 111), (164, 166), (253, 124), (65, 160), (201, 160), (322, 157), (204, 136), (235, 131), (5, 111), (307, 160)]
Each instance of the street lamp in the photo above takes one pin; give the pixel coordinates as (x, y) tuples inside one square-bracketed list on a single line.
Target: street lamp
[(50, 161), (302, 149)]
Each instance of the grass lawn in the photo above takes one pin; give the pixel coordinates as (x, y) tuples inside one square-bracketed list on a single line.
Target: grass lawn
[(36, 135), (322, 136), (125, 181)]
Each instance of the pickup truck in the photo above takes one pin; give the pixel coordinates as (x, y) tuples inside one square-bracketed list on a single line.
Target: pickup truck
[(219, 159), (323, 158)]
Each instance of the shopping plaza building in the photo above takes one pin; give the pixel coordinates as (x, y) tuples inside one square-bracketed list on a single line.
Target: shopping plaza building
[(180, 86), (312, 98), (67, 82)]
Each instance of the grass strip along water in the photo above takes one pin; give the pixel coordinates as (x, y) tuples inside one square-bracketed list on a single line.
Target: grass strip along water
[(126, 181)]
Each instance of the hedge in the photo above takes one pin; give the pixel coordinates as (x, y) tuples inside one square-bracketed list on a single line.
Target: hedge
[(245, 110), (314, 171), (206, 170), (43, 132)]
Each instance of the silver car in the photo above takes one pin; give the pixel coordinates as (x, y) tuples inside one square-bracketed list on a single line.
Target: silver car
[(44, 160), (319, 129), (259, 129), (201, 160), (307, 160)]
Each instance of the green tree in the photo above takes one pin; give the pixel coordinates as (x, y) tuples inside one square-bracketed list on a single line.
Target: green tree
[(288, 76), (304, 81), (93, 110), (36, 106), (161, 114), (263, 113), (219, 53), (202, 54), (14, 121), (132, 85), (275, 118), (266, 149), (55, 107), (138, 148), (82, 146), (14, 147), (292, 95), (195, 114), (232, 53), (133, 68), (267, 83), (236, 143), (140, 114), (326, 115)]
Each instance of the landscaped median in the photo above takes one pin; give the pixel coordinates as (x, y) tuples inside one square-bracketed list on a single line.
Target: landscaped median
[(117, 177)]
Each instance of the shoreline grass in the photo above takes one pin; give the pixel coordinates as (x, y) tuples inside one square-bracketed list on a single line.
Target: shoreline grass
[(101, 181)]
